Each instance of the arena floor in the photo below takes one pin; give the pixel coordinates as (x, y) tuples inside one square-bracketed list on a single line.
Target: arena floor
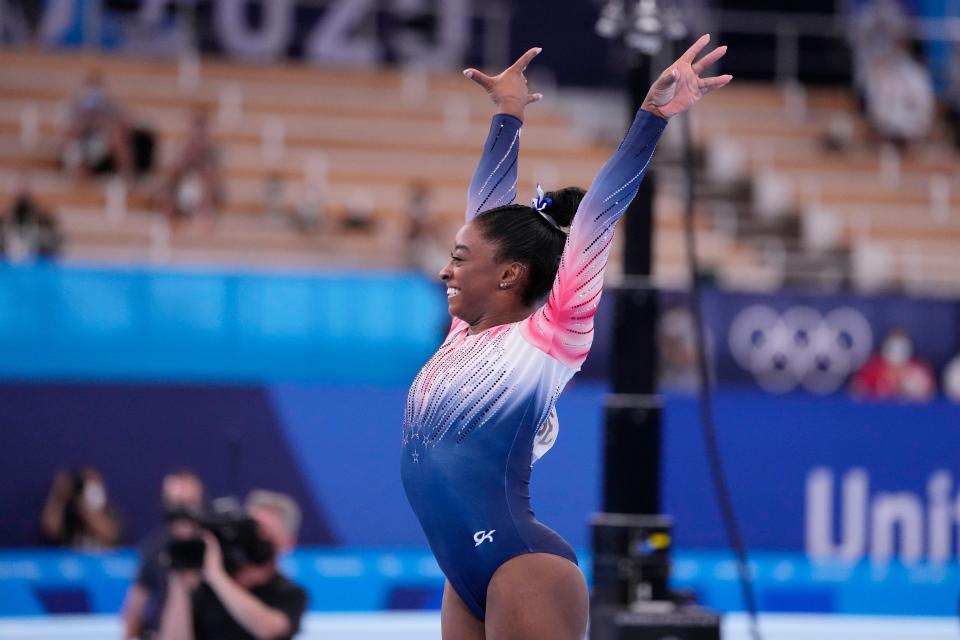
[(423, 626)]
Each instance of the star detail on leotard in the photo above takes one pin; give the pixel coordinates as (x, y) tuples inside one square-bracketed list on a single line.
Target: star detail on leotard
[(416, 457)]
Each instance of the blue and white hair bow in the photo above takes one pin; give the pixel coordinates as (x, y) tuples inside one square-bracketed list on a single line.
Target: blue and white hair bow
[(540, 202)]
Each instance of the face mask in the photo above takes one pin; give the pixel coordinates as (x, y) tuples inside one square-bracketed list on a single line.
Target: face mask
[(94, 496), (897, 350)]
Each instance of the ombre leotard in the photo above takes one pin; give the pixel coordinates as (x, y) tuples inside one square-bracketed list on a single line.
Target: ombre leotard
[(481, 410)]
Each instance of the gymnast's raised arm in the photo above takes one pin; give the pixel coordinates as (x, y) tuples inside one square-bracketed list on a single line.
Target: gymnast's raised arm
[(564, 326), (495, 180)]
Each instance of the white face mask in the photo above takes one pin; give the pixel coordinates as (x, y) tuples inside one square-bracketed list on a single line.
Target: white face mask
[(897, 350), (94, 496)]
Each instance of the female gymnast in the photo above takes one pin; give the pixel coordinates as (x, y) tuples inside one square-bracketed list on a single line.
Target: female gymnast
[(522, 290)]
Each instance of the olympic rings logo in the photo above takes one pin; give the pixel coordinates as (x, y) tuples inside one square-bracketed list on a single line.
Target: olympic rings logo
[(800, 347)]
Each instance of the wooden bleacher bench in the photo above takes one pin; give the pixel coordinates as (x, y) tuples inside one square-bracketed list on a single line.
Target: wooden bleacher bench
[(377, 132)]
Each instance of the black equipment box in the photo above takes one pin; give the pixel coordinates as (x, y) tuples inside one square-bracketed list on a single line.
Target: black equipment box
[(685, 623), (631, 558)]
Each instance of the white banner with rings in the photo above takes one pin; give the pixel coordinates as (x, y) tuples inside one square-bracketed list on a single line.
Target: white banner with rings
[(800, 348)]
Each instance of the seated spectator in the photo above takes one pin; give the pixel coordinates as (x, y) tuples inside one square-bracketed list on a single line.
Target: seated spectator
[(196, 186), (252, 600), (182, 499), (900, 98), (895, 373), (98, 136), (27, 230), (78, 513), (874, 29)]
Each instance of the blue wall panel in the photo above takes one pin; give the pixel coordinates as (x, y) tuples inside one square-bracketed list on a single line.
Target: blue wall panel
[(110, 324)]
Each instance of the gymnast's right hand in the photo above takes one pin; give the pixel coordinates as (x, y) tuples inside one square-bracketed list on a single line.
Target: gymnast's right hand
[(508, 90)]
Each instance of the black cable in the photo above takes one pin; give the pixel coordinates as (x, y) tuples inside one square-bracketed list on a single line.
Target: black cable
[(714, 459)]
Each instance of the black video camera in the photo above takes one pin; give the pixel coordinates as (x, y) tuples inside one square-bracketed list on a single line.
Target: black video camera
[(239, 538)]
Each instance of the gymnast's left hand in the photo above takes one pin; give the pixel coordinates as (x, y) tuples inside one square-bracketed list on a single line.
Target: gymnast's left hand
[(680, 86), (508, 89)]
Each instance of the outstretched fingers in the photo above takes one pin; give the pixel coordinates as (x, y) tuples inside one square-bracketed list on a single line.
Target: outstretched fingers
[(708, 59), (712, 84), (480, 78), (524, 60), (690, 54)]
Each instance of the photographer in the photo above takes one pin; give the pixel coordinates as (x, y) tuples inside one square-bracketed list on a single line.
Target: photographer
[(182, 500), (239, 591), (77, 512)]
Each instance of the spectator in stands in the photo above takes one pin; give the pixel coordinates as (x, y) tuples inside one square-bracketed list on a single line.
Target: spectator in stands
[(98, 137), (874, 29), (900, 98), (895, 373), (195, 188), (253, 601), (182, 499), (27, 230), (78, 513)]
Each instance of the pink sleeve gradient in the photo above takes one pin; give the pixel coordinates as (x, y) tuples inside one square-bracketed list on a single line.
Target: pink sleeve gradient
[(563, 327)]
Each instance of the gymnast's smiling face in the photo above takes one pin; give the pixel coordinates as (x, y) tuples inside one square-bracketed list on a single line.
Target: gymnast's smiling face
[(478, 284)]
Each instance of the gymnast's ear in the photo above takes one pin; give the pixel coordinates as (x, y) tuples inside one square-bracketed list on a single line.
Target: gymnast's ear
[(513, 276)]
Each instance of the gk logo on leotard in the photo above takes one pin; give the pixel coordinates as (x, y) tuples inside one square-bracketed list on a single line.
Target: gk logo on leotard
[(482, 536)]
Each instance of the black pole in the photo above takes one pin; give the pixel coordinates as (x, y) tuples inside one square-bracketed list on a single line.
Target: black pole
[(631, 482), (631, 540)]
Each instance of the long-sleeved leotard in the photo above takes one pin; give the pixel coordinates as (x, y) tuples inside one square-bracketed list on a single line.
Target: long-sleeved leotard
[(495, 181), (477, 414)]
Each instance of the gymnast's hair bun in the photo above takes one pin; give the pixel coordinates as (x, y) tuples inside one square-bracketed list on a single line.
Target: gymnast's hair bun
[(563, 204)]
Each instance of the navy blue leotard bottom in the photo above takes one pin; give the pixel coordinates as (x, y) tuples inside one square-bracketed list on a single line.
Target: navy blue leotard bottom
[(473, 501)]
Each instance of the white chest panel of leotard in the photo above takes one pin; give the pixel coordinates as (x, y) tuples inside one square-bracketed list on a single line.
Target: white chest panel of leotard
[(473, 379)]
